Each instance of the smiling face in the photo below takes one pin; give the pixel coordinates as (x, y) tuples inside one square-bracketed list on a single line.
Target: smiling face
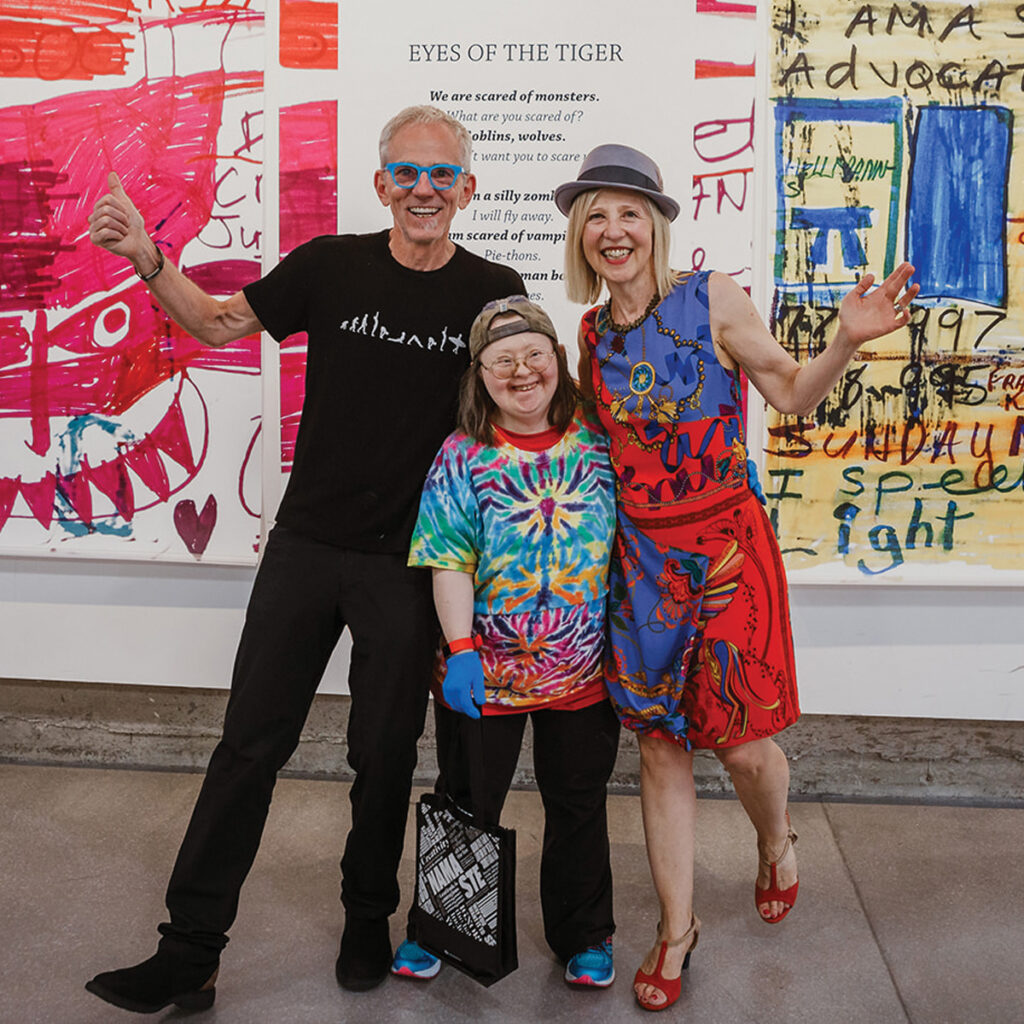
[(423, 215), (524, 399), (618, 239)]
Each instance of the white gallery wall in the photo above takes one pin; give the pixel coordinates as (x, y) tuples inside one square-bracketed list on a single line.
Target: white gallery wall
[(537, 86)]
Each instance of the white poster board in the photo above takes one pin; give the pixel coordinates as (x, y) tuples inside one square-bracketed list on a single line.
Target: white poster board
[(538, 86), (121, 436), (888, 137)]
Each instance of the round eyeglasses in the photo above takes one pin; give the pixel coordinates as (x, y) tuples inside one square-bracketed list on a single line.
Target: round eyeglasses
[(440, 176), (505, 367)]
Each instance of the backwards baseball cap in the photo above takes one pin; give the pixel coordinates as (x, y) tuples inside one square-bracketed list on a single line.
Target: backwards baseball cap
[(531, 318), (614, 166)]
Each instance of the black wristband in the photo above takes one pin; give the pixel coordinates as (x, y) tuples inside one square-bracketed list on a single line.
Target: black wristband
[(159, 266)]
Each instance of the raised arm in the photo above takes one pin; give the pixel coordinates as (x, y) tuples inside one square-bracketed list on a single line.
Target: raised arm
[(790, 387), (116, 225)]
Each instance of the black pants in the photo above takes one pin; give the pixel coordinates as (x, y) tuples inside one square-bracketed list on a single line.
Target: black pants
[(304, 595), (573, 756)]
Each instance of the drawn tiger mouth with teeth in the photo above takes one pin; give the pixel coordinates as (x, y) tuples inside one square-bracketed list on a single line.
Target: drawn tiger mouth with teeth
[(82, 463), (115, 422)]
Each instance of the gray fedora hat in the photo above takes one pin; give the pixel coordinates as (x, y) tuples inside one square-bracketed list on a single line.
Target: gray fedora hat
[(613, 166)]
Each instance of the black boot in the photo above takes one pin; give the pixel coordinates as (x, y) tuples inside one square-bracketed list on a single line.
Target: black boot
[(365, 957), (157, 982)]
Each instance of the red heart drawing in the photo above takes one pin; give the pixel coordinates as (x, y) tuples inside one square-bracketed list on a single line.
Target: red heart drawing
[(195, 528)]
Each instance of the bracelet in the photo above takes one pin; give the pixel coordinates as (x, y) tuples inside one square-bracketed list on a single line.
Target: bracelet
[(159, 266), (466, 643)]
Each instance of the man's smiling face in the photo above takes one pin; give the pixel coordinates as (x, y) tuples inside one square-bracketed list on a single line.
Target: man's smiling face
[(422, 214)]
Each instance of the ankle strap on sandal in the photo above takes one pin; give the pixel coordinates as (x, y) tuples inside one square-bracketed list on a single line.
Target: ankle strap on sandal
[(693, 930)]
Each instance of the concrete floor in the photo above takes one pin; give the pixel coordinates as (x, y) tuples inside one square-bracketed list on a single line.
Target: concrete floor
[(906, 913)]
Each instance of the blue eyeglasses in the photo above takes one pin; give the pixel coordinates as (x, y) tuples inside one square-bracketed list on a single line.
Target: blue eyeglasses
[(440, 176)]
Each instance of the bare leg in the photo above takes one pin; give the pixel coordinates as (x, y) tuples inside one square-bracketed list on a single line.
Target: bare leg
[(760, 772), (669, 803)]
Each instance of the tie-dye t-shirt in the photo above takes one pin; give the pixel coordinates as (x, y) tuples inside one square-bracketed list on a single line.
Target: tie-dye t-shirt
[(535, 530)]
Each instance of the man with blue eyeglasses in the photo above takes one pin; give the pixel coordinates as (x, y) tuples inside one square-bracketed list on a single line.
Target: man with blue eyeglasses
[(388, 317)]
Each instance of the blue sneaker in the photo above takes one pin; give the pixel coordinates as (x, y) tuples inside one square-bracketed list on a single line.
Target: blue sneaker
[(413, 961), (592, 967)]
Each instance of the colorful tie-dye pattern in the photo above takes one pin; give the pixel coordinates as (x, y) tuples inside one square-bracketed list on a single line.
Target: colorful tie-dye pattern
[(700, 649), (535, 529)]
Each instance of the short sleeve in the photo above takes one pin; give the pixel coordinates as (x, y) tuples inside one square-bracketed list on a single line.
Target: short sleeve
[(448, 530), (279, 298)]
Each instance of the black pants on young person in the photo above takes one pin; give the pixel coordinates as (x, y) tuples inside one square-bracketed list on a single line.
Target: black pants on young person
[(573, 756), (304, 595)]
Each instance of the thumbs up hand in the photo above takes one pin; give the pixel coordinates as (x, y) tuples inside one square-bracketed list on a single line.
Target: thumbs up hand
[(116, 224)]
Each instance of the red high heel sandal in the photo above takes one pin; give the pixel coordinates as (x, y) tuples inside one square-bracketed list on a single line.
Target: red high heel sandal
[(668, 987), (773, 894)]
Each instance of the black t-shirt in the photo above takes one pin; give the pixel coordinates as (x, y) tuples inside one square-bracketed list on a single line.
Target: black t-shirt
[(387, 347)]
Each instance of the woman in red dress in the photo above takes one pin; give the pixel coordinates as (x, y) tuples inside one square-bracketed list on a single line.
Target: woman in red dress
[(700, 649)]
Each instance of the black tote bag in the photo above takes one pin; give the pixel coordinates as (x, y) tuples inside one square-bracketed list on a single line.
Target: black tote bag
[(464, 908)]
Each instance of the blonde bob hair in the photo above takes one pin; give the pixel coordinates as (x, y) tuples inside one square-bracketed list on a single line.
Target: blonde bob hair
[(582, 282)]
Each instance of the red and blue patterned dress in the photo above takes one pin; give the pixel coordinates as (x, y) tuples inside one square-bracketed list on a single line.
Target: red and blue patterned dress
[(700, 645)]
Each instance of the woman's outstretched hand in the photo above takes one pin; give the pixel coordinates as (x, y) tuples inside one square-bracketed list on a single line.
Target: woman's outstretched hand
[(865, 315)]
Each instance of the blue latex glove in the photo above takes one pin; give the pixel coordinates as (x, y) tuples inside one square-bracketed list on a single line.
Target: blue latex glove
[(463, 686)]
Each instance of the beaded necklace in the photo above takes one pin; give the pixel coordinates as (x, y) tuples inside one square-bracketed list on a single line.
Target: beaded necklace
[(633, 324)]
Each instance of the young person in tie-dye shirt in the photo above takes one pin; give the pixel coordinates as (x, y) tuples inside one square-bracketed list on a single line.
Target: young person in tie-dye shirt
[(516, 522)]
